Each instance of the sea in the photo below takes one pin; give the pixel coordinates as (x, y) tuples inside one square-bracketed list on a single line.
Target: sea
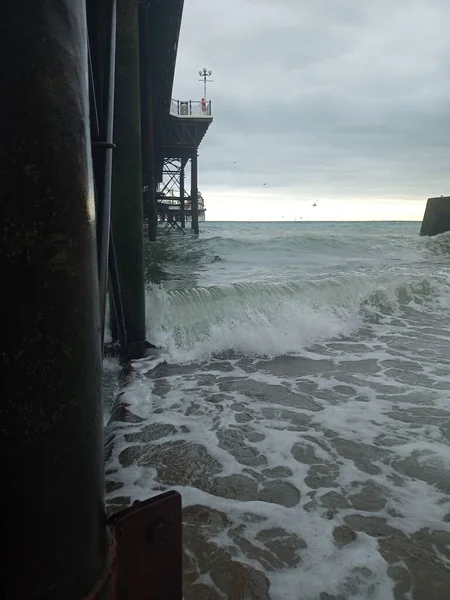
[(299, 400)]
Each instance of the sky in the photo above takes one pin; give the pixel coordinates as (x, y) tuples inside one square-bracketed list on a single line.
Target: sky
[(343, 102)]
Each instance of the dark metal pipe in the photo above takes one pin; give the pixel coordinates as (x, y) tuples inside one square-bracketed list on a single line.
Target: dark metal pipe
[(95, 123), (104, 200), (182, 209), (152, 210), (52, 509), (194, 192), (127, 204), (103, 79), (147, 133), (116, 298)]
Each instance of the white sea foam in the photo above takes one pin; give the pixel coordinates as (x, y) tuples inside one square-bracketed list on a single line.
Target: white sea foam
[(364, 416), (336, 389)]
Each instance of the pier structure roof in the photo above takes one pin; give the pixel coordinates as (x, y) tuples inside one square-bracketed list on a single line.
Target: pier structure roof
[(179, 126)]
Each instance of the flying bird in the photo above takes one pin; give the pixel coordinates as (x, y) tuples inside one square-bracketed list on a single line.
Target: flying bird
[(315, 203)]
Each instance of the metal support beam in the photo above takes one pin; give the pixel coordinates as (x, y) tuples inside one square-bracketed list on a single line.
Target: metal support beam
[(52, 511), (194, 192), (147, 116), (152, 211), (118, 323), (171, 172), (182, 207), (127, 204), (102, 65)]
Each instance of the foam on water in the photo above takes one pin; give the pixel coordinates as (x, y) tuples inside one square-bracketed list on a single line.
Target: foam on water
[(309, 421)]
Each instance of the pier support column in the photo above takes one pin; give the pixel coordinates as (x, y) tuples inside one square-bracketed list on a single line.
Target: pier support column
[(437, 216), (127, 202), (182, 208), (147, 133), (52, 508), (152, 209), (194, 192)]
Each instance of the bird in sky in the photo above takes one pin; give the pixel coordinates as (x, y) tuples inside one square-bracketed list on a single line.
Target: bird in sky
[(315, 203)]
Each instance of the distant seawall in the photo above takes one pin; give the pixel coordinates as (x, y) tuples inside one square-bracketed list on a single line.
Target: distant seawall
[(437, 216)]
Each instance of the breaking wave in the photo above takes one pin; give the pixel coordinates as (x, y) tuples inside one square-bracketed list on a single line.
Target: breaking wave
[(271, 319)]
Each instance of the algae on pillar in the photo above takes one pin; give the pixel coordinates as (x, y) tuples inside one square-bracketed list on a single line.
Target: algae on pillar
[(437, 216), (127, 200)]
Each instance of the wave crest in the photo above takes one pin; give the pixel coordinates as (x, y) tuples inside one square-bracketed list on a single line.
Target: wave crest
[(272, 319)]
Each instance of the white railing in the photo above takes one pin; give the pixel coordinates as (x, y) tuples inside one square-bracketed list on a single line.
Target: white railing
[(191, 108)]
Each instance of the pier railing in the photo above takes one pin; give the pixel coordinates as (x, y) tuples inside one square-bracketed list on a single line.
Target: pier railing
[(191, 108), (174, 201)]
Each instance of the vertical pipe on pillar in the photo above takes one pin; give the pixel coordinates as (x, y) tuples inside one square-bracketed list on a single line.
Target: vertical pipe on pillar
[(118, 324), (102, 28), (52, 508), (182, 209), (194, 192), (152, 210), (104, 206), (127, 205), (148, 146)]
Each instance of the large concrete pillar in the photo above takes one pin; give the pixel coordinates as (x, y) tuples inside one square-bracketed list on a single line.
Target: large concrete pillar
[(127, 202), (194, 192), (51, 506), (437, 216), (182, 207)]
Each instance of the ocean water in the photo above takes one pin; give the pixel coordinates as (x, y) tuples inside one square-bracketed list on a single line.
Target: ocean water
[(300, 403)]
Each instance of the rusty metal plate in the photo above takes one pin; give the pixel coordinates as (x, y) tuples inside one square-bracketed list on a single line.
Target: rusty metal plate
[(148, 538)]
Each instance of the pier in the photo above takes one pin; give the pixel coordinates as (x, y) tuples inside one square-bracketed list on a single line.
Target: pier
[(186, 125), (88, 129)]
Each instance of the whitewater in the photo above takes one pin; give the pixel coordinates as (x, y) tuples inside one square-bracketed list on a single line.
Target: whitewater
[(299, 402)]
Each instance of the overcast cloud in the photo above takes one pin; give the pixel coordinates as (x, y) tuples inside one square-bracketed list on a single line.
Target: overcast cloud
[(340, 99)]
